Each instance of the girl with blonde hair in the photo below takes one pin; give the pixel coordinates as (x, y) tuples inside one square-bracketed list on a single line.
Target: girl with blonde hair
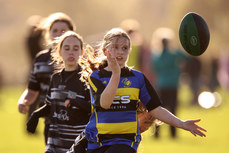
[(116, 92)]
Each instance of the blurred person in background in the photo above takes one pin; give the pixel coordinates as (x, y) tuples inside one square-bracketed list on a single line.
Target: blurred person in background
[(193, 71), (214, 82), (54, 25), (34, 38), (34, 42), (223, 73), (167, 66), (140, 54), (68, 100)]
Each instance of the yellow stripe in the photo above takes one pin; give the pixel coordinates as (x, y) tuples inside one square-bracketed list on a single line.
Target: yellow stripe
[(92, 84), (132, 92), (92, 108), (132, 144), (96, 117), (117, 128)]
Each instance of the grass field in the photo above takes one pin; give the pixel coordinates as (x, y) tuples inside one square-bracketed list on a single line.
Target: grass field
[(14, 139)]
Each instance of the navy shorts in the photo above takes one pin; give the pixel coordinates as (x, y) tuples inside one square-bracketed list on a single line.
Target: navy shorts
[(116, 148)]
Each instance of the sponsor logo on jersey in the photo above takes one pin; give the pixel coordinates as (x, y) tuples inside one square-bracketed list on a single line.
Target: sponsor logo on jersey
[(126, 82), (62, 115)]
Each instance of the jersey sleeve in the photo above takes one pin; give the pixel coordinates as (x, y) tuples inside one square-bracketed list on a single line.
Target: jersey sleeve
[(148, 95), (33, 80), (96, 89)]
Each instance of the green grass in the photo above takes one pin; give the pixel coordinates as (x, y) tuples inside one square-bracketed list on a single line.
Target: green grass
[(14, 139), (214, 120)]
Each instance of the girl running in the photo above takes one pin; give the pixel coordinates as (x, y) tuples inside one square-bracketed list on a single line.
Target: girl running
[(55, 25), (68, 100), (116, 91)]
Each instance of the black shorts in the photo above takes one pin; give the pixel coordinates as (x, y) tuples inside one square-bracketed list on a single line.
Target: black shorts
[(116, 148)]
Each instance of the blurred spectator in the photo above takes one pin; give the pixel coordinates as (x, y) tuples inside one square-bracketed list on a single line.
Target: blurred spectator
[(223, 73), (34, 44), (193, 70), (34, 39), (139, 57), (167, 66), (214, 83)]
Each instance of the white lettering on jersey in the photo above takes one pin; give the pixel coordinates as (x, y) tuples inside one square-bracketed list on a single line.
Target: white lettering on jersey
[(123, 99), (62, 115)]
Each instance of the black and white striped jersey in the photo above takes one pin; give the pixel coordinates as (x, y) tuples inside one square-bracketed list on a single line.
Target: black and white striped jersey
[(67, 123), (41, 72)]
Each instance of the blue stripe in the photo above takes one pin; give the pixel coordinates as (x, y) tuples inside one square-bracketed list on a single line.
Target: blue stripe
[(116, 117)]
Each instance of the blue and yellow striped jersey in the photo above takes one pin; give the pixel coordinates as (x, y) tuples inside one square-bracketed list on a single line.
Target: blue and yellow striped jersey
[(119, 124)]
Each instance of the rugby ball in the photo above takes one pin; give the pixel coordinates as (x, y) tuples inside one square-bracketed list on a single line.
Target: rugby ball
[(194, 34)]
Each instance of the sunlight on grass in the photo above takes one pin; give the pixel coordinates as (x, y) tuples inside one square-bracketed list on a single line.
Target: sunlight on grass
[(14, 139), (214, 120)]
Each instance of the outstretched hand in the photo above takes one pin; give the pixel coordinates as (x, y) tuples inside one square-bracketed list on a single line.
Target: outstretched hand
[(193, 128)]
